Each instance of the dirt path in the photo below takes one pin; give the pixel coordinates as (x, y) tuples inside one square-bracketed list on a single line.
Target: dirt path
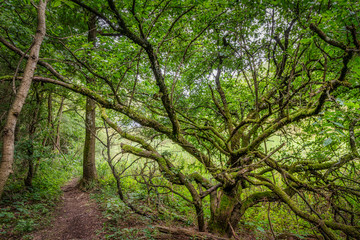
[(77, 218)]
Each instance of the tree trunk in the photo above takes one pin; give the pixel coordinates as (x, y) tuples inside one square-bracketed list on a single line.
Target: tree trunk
[(57, 130), (200, 214), (30, 173), (54, 124), (222, 214), (50, 120), (48, 138), (89, 167), (13, 114), (30, 149)]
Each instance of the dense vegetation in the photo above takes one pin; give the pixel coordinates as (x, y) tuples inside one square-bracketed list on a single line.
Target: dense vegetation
[(245, 112)]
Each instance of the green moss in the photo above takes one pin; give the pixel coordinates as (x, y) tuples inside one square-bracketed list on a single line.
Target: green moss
[(219, 223)]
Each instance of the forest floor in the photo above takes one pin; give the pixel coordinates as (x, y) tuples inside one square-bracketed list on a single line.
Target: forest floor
[(78, 217)]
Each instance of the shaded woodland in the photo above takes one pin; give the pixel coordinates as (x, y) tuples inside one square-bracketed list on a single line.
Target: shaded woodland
[(224, 119)]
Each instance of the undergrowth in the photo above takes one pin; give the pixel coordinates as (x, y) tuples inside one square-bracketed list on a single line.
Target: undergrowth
[(26, 209), (122, 223)]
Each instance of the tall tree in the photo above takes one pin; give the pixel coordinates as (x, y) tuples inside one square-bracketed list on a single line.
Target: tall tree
[(7, 158), (89, 166)]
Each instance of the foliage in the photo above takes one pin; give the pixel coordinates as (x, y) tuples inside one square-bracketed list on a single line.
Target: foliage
[(25, 210), (117, 214), (259, 98)]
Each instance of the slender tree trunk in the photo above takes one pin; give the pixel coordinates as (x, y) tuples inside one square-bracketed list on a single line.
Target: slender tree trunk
[(30, 173), (50, 120), (199, 214), (89, 167), (54, 124), (13, 114), (58, 122), (30, 150)]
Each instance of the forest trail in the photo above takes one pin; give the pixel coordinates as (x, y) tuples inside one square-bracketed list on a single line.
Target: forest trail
[(78, 217)]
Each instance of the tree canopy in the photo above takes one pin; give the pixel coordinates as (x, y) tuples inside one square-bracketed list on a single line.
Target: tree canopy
[(261, 95)]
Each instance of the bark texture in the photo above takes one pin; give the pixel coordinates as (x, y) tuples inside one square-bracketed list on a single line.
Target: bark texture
[(89, 167), (222, 213), (14, 112)]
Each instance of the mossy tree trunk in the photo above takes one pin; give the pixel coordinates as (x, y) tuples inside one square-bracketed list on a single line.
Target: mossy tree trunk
[(89, 167), (222, 215)]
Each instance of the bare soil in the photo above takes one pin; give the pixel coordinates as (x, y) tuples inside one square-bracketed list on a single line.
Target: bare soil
[(78, 217)]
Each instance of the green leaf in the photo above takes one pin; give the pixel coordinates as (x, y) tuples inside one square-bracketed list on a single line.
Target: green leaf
[(56, 3), (341, 132), (306, 40), (69, 3), (338, 124), (327, 142)]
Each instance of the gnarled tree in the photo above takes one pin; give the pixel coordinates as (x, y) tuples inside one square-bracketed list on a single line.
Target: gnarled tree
[(220, 80)]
